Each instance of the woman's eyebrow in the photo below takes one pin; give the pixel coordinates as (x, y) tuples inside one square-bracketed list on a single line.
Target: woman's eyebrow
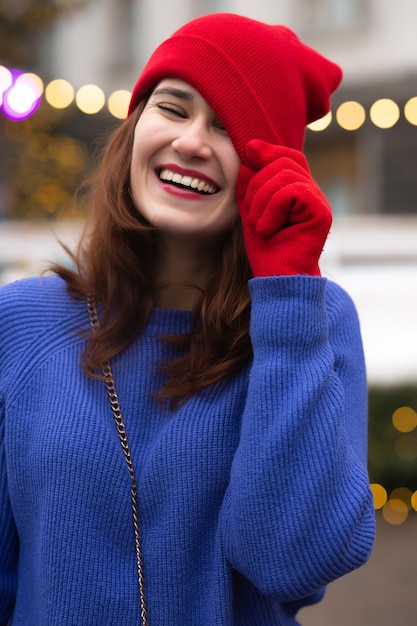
[(174, 91)]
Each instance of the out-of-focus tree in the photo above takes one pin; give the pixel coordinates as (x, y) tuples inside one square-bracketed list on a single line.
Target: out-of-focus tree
[(44, 158), (44, 167)]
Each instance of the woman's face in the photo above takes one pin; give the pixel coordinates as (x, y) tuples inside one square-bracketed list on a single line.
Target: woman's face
[(184, 166)]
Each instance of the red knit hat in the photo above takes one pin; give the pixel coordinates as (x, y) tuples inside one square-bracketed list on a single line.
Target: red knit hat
[(261, 80)]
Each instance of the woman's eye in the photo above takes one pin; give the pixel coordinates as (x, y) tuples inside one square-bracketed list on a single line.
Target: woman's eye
[(173, 110), (219, 125)]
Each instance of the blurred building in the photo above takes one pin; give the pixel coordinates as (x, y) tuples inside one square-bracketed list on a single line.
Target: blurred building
[(365, 162)]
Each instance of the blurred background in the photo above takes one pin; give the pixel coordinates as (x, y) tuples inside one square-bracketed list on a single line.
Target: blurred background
[(66, 70)]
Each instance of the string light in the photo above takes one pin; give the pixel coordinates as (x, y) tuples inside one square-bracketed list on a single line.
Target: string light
[(90, 99), (322, 123), (410, 111), (118, 103), (350, 115), (20, 94), (384, 113), (59, 94)]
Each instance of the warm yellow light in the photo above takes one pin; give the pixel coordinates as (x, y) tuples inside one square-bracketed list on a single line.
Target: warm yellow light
[(404, 419), (385, 113), (406, 447), (90, 99), (402, 493), (59, 93), (380, 495), (350, 115), (322, 123), (33, 80), (410, 111), (118, 103), (395, 511), (414, 500)]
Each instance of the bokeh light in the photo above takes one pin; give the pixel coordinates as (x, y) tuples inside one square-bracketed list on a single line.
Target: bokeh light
[(322, 123), (90, 99), (402, 493), (384, 113), (59, 93), (410, 111), (404, 419), (350, 115), (22, 96), (118, 103), (395, 511), (380, 495)]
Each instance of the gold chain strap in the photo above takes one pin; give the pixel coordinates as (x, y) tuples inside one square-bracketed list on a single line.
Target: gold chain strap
[(121, 429)]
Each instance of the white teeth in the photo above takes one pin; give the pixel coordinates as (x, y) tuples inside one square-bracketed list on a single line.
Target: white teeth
[(187, 181)]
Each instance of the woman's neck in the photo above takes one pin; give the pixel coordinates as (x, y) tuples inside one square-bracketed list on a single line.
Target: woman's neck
[(182, 274)]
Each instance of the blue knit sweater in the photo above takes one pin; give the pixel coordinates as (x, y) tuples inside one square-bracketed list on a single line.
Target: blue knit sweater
[(253, 495)]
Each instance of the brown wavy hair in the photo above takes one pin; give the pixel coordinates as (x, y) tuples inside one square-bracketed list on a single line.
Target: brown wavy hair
[(114, 264)]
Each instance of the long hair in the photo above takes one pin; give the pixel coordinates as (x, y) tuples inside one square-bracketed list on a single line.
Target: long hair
[(114, 264)]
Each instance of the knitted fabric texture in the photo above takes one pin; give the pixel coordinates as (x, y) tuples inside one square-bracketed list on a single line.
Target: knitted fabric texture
[(260, 79), (252, 496)]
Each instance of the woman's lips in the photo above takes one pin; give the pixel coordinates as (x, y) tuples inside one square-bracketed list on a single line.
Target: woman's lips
[(187, 179)]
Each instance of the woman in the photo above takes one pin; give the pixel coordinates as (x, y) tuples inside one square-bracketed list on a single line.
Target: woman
[(234, 369)]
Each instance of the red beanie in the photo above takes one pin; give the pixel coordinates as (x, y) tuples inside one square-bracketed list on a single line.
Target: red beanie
[(261, 80)]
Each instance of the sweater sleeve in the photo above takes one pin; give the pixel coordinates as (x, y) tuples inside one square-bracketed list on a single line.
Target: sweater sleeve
[(298, 512)]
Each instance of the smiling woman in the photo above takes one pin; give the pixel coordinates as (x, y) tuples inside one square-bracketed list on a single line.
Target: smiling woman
[(183, 416)]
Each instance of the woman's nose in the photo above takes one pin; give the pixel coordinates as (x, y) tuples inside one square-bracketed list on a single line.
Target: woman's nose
[(193, 141)]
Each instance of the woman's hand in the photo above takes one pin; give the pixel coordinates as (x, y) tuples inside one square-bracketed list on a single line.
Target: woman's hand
[(286, 217)]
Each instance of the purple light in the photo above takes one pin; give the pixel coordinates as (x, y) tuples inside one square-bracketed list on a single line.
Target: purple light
[(21, 95)]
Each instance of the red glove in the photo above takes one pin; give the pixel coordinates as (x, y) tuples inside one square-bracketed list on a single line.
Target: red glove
[(286, 218)]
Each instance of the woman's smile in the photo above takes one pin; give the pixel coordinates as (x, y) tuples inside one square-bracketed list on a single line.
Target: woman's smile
[(186, 179)]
